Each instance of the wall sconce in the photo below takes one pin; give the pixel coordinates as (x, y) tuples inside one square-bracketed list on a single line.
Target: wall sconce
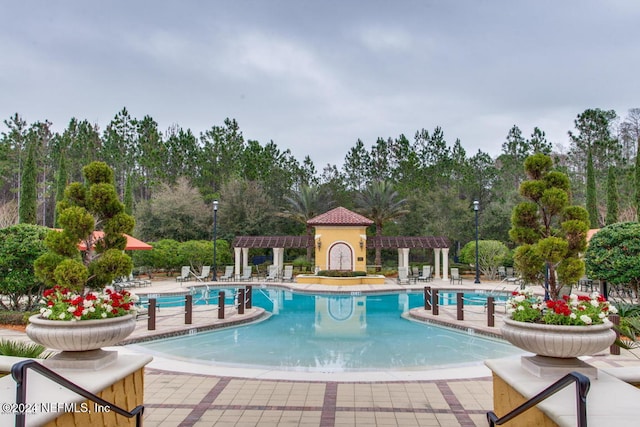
[(319, 244), (361, 243)]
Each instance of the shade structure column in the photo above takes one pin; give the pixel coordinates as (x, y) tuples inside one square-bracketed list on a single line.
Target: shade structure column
[(445, 263), (245, 258), (403, 257), (436, 262), (278, 258), (237, 262)]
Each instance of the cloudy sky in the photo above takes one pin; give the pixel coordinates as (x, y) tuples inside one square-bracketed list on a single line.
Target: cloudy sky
[(314, 76)]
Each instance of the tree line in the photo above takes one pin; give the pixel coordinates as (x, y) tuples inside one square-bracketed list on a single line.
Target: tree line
[(169, 179)]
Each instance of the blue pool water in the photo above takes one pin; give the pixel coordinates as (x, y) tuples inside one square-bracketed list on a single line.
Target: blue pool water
[(334, 333)]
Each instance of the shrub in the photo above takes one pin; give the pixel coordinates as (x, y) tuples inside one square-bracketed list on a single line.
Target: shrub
[(341, 273), (23, 349)]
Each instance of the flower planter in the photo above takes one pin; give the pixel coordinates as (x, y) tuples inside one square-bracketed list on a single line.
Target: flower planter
[(558, 340), (80, 340)]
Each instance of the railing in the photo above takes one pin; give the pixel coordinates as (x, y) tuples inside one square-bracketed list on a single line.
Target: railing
[(19, 374), (582, 388)]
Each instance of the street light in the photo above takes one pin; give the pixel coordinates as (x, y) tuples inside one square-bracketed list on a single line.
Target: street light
[(215, 238), (476, 206)]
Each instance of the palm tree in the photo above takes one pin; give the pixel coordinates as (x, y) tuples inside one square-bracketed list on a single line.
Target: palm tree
[(304, 204), (380, 203)]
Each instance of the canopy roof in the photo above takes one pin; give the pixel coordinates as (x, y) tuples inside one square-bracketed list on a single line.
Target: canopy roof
[(133, 244)]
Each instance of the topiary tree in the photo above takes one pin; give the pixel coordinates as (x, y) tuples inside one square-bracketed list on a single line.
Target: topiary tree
[(614, 255), (85, 209), (491, 255), (551, 233), (20, 246)]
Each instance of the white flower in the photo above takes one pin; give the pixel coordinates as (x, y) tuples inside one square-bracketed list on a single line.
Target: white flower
[(586, 319), (87, 303), (573, 315), (535, 306), (602, 315), (519, 298), (61, 316), (595, 303), (520, 308), (103, 315), (71, 308), (85, 312), (613, 309), (46, 313)]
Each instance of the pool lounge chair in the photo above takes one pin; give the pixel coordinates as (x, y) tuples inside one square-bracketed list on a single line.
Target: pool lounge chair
[(184, 274), (273, 273), (287, 276), (403, 275), (228, 273), (246, 274), (204, 274), (426, 273), (455, 276)]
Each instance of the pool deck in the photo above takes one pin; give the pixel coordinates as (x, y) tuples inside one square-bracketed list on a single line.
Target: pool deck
[(181, 393)]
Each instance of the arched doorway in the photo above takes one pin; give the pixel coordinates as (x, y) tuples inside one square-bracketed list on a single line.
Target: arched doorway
[(340, 257)]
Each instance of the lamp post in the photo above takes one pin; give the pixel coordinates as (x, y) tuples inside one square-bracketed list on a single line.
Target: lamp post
[(476, 206), (215, 238)]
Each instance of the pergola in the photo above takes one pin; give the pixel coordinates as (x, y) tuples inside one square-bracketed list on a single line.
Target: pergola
[(403, 244)]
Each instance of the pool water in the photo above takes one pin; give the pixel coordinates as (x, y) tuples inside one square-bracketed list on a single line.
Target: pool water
[(334, 333)]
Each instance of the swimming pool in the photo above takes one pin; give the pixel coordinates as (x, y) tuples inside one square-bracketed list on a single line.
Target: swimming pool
[(333, 333)]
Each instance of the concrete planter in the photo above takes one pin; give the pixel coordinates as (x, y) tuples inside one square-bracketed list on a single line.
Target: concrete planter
[(558, 341), (80, 341)]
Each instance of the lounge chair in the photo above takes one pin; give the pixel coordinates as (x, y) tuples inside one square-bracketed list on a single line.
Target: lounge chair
[(455, 276), (137, 282), (287, 276), (204, 274), (426, 273), (184, 274), (228, 273), (273, 273), (403, 275), (246, 274)]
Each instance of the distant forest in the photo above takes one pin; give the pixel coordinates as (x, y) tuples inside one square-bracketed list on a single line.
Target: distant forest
[(169, 179)]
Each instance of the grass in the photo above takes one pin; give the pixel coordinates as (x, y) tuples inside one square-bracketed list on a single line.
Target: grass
[(23, 349)]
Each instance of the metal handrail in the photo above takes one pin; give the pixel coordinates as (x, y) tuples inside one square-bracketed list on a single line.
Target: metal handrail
[(582, 388), (19, 374)]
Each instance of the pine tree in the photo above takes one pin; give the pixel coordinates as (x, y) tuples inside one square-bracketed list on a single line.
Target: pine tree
[(612, 197), (592, 201), (61, 184), (27, 211)]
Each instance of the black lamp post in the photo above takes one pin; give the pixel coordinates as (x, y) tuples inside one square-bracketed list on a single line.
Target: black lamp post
[(476, 206), (215, 238)]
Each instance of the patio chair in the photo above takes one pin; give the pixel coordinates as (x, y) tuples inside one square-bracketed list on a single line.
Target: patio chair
[(137, 282), (246, 274), (509, 273), (228, 273), (184, 274), (403, 275), (287, 276), (502, 272), (455, 276), (426, 273), (204, 274), (273, 273)]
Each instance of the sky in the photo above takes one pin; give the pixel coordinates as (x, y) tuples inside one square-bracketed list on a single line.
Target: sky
[(316, 76)]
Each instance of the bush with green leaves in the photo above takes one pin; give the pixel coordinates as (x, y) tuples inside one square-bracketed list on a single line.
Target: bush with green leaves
[(550, 232), (85, 209), (491, 255), (614, 255), (20, 246)]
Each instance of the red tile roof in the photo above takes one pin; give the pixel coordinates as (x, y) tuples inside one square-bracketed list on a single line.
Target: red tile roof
[(340, 216)]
